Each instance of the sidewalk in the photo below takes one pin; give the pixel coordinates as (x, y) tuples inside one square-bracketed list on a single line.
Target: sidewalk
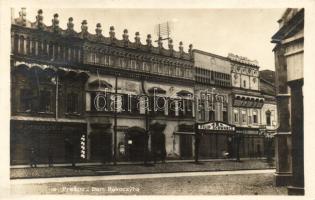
[(168, 167)]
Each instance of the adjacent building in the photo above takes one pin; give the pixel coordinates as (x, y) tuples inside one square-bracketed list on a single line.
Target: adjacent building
[(93, 98), (289, 56), (228, 89)]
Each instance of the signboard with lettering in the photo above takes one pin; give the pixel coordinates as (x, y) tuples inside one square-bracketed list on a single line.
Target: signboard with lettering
[(216, 126)]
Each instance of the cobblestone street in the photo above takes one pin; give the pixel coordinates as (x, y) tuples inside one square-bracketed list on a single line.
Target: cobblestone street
[(214, 165), (184, 184)]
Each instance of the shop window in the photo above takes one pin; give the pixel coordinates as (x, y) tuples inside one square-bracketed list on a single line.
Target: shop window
[(268, 118), (25, 100), (72, 103), (45, 101)]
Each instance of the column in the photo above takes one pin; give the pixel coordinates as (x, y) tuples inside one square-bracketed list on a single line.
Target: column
[(283, 142), (297, 182), (283, 135)]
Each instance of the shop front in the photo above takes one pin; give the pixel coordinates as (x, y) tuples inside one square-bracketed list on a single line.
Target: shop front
[(252, 142), (47, 142), (217, 140)]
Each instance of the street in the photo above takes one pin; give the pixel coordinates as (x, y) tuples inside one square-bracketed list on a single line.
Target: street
[(249, 182)]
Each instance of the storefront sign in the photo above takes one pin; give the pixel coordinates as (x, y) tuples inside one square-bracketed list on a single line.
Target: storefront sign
[(216, 126)]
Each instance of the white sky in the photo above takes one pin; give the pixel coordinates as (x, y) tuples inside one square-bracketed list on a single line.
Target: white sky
[(246, 32)]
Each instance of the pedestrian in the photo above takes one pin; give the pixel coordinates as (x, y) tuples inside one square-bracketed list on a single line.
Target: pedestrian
[(33, 157)]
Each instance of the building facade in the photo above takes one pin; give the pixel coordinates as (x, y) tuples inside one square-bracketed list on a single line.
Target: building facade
[(82, 97), (289, 62), (228, 90), (87, 97)]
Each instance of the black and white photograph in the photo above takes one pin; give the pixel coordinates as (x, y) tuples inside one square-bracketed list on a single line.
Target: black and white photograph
[(156, 100)]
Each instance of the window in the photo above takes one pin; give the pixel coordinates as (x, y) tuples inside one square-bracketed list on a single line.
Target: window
[(255, 120), (244, 83), (45, 101), (268, 118), (211, 115), (201, 110), (16, 43), (236, 116), (25, 100), (143, 104), (244, 116), (72, 103), (106, 60), (21, 45), (225, 116)]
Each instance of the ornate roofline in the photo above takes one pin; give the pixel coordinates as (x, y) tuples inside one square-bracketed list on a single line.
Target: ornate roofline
[(98, 37)]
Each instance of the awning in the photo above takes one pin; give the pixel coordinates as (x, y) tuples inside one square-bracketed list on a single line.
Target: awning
[(215, 127)]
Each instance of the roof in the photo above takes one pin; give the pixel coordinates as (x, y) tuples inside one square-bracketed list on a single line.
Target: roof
[(290, 27)]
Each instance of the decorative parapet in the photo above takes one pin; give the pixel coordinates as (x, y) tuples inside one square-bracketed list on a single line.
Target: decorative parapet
[(242, 60), (98, 37)]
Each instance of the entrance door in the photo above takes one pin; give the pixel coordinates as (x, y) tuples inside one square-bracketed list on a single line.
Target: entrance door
[(101, 147), (186, 146), (135, 142), (158, 146)]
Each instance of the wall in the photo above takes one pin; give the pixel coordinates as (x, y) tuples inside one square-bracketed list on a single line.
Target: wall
[(207, 61)]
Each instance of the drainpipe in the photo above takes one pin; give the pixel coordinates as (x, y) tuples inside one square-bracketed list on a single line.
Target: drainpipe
[(57, 96), (147, 135)]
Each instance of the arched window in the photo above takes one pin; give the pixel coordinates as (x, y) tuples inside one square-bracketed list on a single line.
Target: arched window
[(268, 118)]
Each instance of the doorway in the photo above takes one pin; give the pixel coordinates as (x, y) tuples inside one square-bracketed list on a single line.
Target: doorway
[(101, 147), (135, 140), (185, 146)]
